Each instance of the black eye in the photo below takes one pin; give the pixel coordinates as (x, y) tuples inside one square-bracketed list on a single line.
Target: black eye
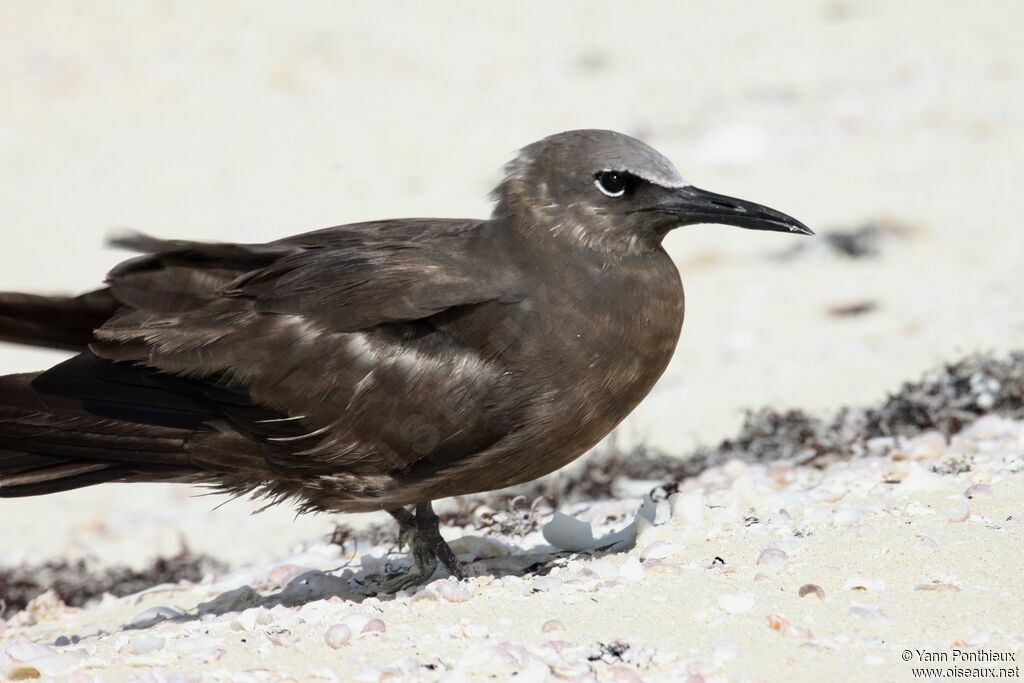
[(611, 183)]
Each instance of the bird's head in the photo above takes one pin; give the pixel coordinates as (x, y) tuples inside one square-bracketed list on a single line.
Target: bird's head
[(610, 192)]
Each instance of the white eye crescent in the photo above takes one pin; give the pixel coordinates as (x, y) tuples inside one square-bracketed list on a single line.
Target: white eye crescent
[(611, 183)]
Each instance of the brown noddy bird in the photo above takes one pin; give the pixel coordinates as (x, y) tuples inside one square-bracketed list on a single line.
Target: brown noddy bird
[(372, 366)]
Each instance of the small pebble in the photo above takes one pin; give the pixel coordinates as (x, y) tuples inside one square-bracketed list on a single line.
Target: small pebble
[(811, 589), (338, 635)]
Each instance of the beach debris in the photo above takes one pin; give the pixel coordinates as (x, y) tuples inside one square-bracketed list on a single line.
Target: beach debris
[(568, 533), (849, 309), (811, 589), (787, 628), (79, 581)]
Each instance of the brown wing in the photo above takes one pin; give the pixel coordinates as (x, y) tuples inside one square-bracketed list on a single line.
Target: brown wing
[(335, 349)]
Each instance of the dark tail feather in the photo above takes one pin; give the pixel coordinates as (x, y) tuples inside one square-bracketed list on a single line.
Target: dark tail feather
[(50, 444), (55, 322)]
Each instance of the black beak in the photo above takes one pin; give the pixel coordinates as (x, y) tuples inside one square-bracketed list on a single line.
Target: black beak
[(693, 205)]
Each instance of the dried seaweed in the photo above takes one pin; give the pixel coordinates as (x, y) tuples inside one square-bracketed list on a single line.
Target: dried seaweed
[(945, 400), (78, 582)]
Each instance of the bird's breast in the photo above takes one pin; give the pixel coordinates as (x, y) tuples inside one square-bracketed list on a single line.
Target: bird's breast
[(613, 329)]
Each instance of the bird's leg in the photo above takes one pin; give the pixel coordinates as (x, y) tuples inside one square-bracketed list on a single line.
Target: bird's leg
[(426, 546), (428, 527)]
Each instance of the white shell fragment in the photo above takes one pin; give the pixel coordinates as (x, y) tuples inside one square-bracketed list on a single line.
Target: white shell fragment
[(737, 603), (960, 513), (659, 550), (145, 642), (772, 557), (977, 490)]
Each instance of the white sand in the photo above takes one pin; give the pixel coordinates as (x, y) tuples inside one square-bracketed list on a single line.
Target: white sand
[(248, 122), (902, 560)]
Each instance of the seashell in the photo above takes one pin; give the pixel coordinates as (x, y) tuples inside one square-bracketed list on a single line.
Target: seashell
[(960, 513), (337, 635), (918, 480), (373, 626), (978, 490), (811, 589), (787, 628), (772, 557), (659, 550), (928, 542), (551, 626), (937, 587), (659, 567), (602, 569), (737, 603), (452, 591), (632, 570), (248, 619), (145, 642), (280, 637), (46, 666), (24, 650), (846, 516)]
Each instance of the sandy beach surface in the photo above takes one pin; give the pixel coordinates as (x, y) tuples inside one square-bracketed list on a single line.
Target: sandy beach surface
[(250, 121)]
